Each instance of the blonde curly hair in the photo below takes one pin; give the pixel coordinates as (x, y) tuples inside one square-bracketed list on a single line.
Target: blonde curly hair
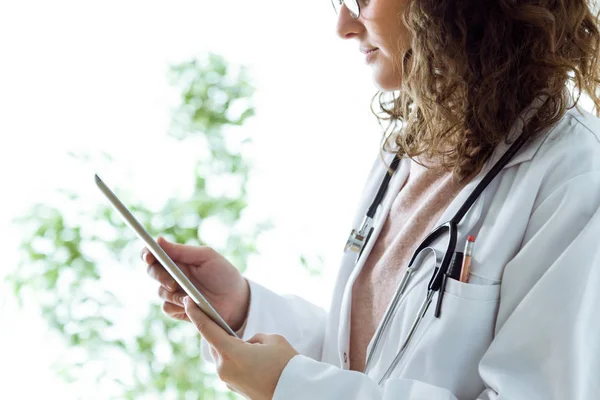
[(474, 65)]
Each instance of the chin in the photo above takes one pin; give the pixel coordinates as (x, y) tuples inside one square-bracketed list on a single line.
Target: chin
[(385, 80), (387, 83)]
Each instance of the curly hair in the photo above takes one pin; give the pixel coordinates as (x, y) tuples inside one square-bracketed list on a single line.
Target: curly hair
[(474, 65)]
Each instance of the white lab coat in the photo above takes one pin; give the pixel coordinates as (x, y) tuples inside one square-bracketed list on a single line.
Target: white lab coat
[(525, 327)]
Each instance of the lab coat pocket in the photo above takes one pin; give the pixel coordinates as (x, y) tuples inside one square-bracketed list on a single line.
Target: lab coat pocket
[(449, 351), (472, 291)]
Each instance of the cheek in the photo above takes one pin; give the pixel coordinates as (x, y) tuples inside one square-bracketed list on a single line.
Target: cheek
[(387, 70), (388, 67), (396, 41), (386, 31), (385, 27)]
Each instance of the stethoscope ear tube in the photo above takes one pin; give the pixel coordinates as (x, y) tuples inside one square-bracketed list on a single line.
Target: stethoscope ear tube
[(437, 281), (383, 187), (410, 270), (454, 273), (413, 329), (474, 195), (364, 244)]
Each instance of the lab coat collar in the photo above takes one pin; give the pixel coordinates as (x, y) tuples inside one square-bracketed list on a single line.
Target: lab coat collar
[(467, 224), (470, 220), (526, 153), (529, 150)]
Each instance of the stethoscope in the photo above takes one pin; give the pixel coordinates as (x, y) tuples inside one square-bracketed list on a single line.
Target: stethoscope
[(358, 240)]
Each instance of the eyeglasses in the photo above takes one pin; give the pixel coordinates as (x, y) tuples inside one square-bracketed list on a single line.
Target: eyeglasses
[(351, 5)]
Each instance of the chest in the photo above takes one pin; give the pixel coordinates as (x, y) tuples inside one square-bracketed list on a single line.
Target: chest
[(423, 197), (445, 351)]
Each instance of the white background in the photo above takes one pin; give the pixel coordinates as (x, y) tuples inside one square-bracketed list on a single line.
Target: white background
[(92, 76)]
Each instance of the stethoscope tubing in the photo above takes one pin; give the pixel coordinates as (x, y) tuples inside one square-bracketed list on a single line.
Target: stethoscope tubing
[(435, 282)]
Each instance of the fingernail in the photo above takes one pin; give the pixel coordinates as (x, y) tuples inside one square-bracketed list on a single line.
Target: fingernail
[(186, 300), (144, 255)]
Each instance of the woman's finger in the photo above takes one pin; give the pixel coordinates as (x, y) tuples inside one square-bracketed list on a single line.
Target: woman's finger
[(185, 253), (175, 312), (172, 297), (234, 389), (146, 256), (157, 272), (258, 338), (210, 331), (213, 353)]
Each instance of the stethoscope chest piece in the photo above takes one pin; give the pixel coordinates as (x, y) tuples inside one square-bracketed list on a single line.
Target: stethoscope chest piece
[(358, 239), (355, 242)]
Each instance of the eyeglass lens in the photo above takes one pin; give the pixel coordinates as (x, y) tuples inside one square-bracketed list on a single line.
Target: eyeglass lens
[(351, 5)]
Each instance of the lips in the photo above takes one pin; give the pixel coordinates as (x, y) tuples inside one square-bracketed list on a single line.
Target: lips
[(368, 50)]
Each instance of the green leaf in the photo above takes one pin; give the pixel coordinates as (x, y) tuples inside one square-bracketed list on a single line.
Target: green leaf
[(78, 305)]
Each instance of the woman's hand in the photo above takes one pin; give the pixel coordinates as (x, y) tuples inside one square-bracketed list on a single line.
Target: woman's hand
[(219, 281), (251, 368)]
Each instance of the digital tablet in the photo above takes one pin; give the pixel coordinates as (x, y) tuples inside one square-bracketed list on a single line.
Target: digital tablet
[(162, 256)]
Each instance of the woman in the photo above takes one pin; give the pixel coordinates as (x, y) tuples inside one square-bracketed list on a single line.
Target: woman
[(459, 81)]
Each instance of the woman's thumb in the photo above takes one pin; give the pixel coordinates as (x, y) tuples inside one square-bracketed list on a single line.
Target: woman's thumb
[(185, 253), (162, 242)]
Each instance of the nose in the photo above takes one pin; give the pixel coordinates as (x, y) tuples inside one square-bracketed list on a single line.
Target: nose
[(348, 27)]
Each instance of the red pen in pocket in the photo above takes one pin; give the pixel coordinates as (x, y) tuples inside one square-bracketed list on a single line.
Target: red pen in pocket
[(466, 264)]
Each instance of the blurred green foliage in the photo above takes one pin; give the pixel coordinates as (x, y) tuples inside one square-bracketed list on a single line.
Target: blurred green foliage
[(68, 248)]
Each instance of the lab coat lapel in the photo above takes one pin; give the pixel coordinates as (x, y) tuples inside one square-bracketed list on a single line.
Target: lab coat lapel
[(524, 154), (394, 187), (468, 223), (528, 151), (473, 216)]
